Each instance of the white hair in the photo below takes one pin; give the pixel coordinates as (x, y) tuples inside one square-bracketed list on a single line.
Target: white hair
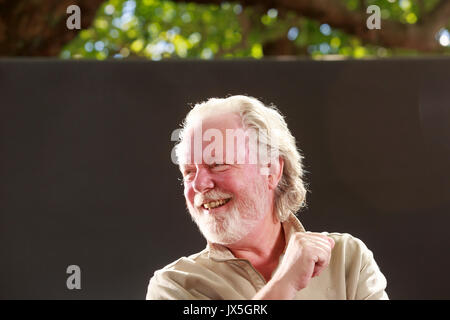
[(290, 193)]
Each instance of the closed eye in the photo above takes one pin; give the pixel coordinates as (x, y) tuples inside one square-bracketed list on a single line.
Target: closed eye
[(188, 174), (219, 166)]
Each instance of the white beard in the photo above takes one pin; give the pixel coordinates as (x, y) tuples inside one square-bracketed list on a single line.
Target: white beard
[(234, 224)]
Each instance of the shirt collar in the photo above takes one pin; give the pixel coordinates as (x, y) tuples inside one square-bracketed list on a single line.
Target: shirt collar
[(219, 252)]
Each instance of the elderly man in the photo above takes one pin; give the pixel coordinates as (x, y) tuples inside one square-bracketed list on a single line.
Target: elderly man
[(243, 197)]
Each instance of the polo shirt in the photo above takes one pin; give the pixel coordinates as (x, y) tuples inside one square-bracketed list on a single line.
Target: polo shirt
[(216, 274)]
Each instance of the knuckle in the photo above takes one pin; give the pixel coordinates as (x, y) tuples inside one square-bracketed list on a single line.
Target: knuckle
[(324, 237)]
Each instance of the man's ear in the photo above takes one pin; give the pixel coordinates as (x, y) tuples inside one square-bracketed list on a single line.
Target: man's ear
[(275, 172)]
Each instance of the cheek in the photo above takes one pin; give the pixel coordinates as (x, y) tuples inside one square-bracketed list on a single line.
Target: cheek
[(189, 193), (250, 176), (237, 184), (229, 181)]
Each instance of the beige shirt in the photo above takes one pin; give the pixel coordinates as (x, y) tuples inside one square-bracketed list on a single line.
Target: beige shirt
[(216, 274)]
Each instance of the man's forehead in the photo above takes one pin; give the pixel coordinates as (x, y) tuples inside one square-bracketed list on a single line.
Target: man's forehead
[(214, 140)]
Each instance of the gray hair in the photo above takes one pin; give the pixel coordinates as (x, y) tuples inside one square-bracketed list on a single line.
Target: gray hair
[(290, 193)]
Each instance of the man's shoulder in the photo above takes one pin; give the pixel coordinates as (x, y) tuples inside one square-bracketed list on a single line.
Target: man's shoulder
[(363, 278), (349, 247), (185, 262), (169, 281), (344, 238)]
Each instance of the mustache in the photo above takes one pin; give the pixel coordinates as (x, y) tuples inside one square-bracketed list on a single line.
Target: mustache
[(212, 195)]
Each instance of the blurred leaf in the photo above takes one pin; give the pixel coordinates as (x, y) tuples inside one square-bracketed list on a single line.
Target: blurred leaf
[(157, 29)]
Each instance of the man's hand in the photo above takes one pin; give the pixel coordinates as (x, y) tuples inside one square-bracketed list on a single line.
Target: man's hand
[(307, 255)]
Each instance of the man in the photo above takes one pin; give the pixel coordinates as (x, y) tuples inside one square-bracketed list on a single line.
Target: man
[(243, 184)]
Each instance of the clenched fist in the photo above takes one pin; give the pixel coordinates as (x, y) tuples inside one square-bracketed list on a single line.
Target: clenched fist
[(307, 255)]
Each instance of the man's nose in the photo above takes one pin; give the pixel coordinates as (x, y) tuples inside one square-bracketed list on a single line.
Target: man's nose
[(203, 181)]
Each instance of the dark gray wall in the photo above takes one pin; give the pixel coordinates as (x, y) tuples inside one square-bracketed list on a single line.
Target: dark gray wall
[(86, 176)]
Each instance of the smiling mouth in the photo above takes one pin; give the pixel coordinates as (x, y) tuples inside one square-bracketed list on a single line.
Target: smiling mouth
[(215, 204)]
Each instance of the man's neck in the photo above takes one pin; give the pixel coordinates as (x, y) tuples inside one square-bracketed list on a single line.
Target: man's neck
[(263, 246)]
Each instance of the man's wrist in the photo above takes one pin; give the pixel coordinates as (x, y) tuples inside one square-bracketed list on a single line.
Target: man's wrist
[(284, 287)]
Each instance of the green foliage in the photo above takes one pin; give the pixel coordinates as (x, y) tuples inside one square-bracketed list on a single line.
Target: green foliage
[(155, 29)]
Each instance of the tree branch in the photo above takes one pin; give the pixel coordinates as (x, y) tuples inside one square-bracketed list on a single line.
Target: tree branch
[(418, 36), (438, 18), (38, 28)]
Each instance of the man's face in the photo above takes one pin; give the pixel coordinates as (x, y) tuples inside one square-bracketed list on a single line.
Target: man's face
[(225, 199)]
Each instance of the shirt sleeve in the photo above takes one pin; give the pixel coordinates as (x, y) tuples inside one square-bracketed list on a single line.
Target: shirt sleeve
[(371, 283)]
